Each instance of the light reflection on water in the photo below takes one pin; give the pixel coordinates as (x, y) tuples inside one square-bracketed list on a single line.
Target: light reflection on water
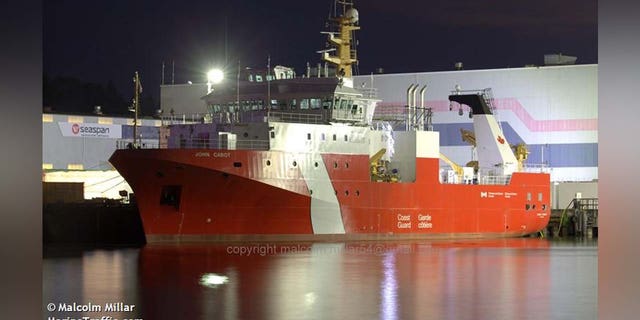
[(482, 279)]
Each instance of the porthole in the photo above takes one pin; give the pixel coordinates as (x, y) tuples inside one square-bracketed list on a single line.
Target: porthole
[(268, 162), (295, 164), (357, 193), (310, 191), (346, 165), (335, 165), (315, 164), (346, 192)]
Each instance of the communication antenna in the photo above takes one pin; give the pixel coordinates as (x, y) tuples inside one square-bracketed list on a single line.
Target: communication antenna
[(268, 85), (162, 78)]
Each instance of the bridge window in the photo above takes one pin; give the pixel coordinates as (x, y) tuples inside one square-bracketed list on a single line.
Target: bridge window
[(304, 104), (315, 103), (326, 103), (308, 136), (334, 137)]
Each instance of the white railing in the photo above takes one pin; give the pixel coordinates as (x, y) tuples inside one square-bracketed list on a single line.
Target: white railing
[(536, 168), (200, 144), (182, 118), (278, 116), (128, 144), (495, 180)]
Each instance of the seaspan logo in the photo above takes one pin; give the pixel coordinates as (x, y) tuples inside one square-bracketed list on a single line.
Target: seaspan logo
[(483, 194), (94, 130), (90, 130)]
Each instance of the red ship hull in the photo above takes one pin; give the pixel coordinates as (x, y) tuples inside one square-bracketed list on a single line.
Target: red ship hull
[(229, 194)]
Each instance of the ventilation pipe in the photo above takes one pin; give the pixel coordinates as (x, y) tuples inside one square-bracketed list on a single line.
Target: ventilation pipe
[(409, 90), (420, 121), (411, 103)]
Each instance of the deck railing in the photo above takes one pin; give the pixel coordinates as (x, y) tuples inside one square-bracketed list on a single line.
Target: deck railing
[(128, 144), (313, 118), (198, 144), (536, 167)]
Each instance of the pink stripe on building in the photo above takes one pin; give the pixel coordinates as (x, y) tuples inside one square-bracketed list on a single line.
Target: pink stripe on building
[(512, 104)]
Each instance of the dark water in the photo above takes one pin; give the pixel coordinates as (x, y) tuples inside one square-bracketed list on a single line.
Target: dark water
[(483, 279)]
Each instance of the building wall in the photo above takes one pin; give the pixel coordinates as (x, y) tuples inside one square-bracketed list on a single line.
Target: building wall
[(63, 150), (553, 110), (183, 98), (563, 193)]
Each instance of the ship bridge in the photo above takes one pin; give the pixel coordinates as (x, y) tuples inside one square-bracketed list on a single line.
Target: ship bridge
[(319, 100)]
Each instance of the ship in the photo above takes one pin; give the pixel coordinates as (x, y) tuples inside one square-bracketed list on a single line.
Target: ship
[(283, 157)]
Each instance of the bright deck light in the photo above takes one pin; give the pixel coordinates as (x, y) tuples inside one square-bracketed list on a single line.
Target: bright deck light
[(215, 76)]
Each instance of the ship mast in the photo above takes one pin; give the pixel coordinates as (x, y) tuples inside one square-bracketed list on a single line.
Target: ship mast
[(343, 41), (136, 107)]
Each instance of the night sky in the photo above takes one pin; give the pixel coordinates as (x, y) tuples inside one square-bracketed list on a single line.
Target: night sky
[(101, 41)]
